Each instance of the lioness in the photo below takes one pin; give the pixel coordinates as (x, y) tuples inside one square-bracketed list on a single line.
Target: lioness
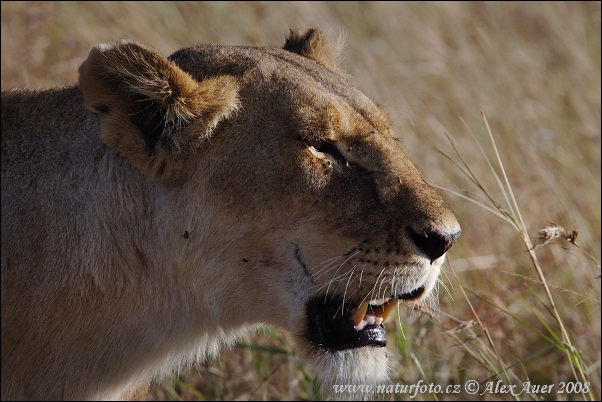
[(165, 206)]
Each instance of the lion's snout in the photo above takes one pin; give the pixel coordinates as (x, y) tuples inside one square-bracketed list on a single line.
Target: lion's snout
[(434, 241)]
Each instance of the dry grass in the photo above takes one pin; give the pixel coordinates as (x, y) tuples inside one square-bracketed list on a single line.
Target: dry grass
[(533, 68)]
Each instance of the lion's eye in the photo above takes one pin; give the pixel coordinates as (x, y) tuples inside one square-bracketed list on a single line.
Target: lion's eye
[(330, 149)]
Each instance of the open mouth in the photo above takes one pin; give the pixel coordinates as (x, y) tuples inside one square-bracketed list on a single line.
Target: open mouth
[(335, 325)]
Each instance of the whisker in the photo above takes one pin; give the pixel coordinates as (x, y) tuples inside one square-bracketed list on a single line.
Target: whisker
[(446, 288), (400, 326), (378, 295), (344, 262), (348, 281), (444, 272), (322, 286), (350, 277), (346, 287), (326, 268), (377, 279)]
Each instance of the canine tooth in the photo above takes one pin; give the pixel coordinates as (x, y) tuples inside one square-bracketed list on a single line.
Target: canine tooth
[(386, 309), (359, 313), (361, 325), (378, 320)]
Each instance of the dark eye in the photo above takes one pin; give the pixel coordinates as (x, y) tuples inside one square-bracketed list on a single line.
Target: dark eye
[(330, 149)]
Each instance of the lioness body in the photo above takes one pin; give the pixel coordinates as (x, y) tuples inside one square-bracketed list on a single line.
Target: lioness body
[(164, 207), (87, 190)]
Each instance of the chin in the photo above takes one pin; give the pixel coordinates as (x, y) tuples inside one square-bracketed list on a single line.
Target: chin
[(367, 365)]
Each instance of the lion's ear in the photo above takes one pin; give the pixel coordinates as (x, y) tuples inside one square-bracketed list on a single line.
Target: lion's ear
[(150, 109), (313, 45)]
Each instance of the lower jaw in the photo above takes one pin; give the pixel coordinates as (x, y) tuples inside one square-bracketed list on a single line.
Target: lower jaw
[(359, 366), (330, 326), (340, 333)]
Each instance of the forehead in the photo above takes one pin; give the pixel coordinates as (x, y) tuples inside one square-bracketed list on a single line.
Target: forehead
[(285, 81)]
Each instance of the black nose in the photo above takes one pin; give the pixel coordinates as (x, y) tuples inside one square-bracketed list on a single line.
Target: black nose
[(434, 242)]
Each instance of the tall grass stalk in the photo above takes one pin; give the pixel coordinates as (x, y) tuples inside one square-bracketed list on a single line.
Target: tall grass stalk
[(514, 217)]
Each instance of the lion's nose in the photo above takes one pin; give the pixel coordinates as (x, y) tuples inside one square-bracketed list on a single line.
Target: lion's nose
[(434, 242)]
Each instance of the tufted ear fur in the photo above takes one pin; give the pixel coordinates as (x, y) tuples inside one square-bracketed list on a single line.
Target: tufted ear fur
[(150, 109), (313, 45)]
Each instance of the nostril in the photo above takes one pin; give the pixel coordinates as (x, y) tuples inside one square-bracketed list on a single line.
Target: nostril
[(434, 243)]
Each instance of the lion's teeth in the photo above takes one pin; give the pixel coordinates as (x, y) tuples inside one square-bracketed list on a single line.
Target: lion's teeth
[(377, 314), (386, 309), (361, 325), (359, 313)]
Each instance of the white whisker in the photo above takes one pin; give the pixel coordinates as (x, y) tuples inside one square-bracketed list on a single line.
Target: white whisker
[(324, 269), (344, 262), (400, 326), (447, 277), (446, 288), (377, 279)]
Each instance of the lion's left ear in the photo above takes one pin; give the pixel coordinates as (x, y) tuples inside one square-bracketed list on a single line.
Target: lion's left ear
[(313, 45), (150, 109)]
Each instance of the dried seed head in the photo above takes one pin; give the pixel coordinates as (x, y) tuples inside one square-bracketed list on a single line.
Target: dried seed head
[(553, 231)]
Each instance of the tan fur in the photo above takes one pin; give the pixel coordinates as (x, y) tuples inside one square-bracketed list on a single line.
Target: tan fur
[(166, 206)]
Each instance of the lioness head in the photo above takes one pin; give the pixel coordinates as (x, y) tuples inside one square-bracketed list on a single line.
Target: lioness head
[(317, 220)]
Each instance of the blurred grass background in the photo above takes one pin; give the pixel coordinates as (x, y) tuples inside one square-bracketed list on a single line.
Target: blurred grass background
[(533, 68)]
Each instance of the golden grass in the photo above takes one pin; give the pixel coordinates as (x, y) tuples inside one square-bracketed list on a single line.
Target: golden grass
[(533, 68)]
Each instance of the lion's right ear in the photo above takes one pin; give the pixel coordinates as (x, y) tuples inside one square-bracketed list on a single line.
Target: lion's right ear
[(313, 44), (150, 109)]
